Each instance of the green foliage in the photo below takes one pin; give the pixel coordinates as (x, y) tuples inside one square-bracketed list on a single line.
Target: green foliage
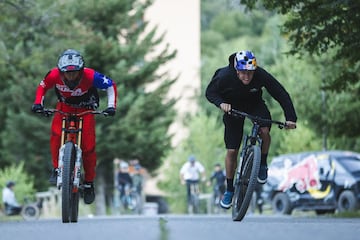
[(210, 38), (115, 40), (210, 9), (303, 136), (348, 214), (143, 117), (24, 187), (303, 78), (206, 144), (235, 23), (25, 40), (320, 27)]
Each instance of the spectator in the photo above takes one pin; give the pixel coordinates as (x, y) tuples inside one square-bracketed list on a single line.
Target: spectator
[(12, 207)]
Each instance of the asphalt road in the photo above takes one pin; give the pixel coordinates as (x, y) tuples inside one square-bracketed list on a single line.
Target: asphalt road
[(185, 227)]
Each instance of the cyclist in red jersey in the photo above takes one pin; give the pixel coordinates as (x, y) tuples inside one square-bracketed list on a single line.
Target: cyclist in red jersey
[(76, 88)]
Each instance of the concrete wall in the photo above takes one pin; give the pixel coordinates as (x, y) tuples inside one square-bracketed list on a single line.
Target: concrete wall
[(180, 21)]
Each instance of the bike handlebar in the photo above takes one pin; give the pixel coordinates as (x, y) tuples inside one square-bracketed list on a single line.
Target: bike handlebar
[(237, 113), (49, 112)]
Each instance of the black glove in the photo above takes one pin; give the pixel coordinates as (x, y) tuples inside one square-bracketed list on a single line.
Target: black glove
[(110, 111), (36, 108)]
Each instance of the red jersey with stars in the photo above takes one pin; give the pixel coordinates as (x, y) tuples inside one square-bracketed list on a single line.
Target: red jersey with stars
[(90, 79)]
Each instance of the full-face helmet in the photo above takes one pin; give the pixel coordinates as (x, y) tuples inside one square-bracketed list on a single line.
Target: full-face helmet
[(70, 60), (245, 60)]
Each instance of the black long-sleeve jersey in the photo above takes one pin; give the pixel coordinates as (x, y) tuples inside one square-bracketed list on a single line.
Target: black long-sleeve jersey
[(219, 176), (226, 87)]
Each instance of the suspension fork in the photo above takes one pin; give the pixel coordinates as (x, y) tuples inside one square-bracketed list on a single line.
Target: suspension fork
[(61, 152), (76, 136), (80, 132), (72, 134)]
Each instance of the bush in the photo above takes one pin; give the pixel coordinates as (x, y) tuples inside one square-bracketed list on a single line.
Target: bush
[(24, 187)]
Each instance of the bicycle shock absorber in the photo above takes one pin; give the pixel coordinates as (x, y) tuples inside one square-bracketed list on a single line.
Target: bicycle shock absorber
[(77, 170), (61, 155), (60, 166)]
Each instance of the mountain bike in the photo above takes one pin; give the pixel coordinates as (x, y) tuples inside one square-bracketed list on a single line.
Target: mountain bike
[(69, 178), (130, 199), (249, 164), (194, 202)]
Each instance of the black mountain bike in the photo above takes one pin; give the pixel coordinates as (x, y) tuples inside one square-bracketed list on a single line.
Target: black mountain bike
[(249, 164)]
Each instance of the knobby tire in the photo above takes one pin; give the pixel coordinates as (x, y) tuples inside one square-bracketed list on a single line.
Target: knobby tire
[(74, 207), (68, 204), (245, 182)]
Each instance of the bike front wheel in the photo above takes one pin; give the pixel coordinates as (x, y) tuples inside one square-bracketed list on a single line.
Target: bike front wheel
[(74, 207), (245, 181), (69, 205)]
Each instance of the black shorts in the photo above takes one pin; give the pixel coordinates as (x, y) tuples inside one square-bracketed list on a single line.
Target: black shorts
[(233, 133)]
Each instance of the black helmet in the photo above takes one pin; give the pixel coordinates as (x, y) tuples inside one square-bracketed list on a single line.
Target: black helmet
[(70, 60), (10, 184)]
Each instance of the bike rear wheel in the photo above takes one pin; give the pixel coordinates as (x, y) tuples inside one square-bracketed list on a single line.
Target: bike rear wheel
[(30, 212), (194, 207), (69, 206), (245, 181), (195, 204)]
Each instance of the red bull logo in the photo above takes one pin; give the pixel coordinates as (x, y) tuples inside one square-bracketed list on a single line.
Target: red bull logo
[(303, 176)]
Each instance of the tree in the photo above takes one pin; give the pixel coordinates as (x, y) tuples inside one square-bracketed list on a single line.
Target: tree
[(327, 44), (24, 182), (321, 27), (114, 39), (205, 142), (140, 130), (26, 46)]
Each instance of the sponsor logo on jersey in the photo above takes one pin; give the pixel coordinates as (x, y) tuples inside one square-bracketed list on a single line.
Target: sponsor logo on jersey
[(64, 88), (254, 90)]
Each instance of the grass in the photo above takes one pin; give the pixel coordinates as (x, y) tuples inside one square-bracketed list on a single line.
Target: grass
[(354, 214)]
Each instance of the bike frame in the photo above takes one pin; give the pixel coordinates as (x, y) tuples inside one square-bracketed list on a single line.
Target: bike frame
[(72, 133), (70, 160), (249, 164)]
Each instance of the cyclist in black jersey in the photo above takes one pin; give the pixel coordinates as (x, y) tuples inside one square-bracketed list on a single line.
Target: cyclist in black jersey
[(219, 187), (220, 178), (239, 86)]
